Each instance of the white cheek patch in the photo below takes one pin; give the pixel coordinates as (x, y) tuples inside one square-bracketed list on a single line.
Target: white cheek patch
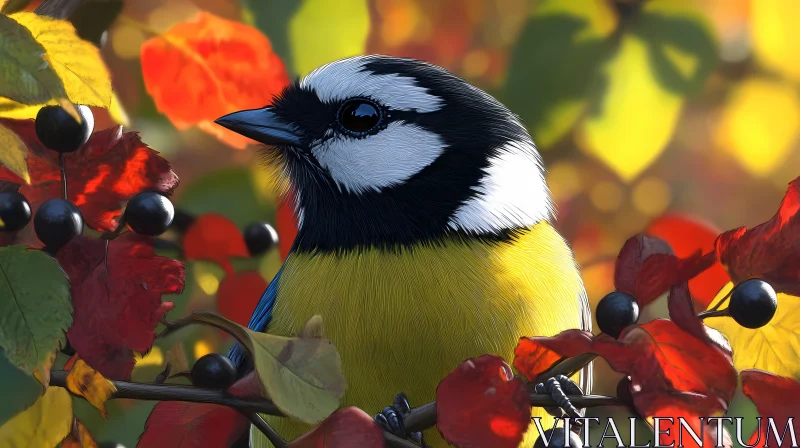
[(511, 194), (345, 79), (387, 158)]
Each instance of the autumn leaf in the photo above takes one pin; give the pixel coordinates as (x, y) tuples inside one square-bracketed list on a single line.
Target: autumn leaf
[(348, 427), (76, 62), (26, 74), (769, 251), (116, 291), (88, 383), (482, 404), (207, 67), (776, 397), (26, 429), (176, 424), (14, 155), (78, 437), (102, 176), (673, 374), (646, 268), (772, 347), (238, 295), (216, 238), (301, 375), (686, 235), (35, 307)]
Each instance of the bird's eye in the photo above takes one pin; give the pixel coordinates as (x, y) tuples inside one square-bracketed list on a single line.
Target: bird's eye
[(359, 116)]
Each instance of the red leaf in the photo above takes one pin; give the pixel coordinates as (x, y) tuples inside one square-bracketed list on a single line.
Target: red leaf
[(204, 68), (532, 359), (216, 238), (116, 295), (481, 404), (238, 295), (646, 268), (348, 427), (769, 251), (774, 396), (687, 235), (178, 424), (673, 374), (101, 176)]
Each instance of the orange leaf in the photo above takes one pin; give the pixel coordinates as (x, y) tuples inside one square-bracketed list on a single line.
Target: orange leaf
[(207, 67), (79, 437), (216, 238), (90, 384)]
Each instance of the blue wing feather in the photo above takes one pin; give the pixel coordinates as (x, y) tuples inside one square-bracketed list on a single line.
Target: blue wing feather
[(260, 318)]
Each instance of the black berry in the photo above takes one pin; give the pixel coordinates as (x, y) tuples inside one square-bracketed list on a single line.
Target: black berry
[(110, 445), (149, 213), (260, 238), (615, 312), (556, 438), (15, 212), (56, 222), (59, 131), (753, 303), (213, 371)]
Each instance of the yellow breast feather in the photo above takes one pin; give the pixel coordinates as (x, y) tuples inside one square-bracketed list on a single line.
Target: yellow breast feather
[(403, 320)]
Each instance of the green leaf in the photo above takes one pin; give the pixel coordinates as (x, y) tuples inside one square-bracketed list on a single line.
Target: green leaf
[(18, 389), (681, 46), (14, 155), (12, 6), (301, 375), (272, 19), (323, 31), (26, 75), (556, 60), (35, 306)]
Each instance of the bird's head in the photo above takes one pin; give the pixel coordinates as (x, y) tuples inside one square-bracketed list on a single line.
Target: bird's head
[(384, 151)]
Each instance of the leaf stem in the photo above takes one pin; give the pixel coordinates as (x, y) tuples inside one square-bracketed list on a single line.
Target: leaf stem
[(63, 175)]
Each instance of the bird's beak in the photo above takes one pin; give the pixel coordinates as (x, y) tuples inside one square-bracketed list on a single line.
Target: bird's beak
[(261, 125)]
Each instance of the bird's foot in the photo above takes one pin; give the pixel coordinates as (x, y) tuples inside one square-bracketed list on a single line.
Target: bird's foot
[(559, 387), (392, 419)]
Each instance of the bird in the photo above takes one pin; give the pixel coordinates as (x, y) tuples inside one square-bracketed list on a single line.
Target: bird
[(425, 232)]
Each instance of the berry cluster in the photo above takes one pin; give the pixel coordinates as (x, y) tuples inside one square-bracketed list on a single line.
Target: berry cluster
[(57, 221)]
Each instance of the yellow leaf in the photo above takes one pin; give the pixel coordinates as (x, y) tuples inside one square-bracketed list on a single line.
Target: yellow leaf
[(774, 347), (323, 31), (775, 30), (88, 383), (42, 372), (79, 437), (636, 116), (44, 424), (117, 112), (26, 73), (76, 61), (759, 124), (14, 154)]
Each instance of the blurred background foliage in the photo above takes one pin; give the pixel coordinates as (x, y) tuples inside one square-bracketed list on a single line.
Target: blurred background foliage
[(639, 108)]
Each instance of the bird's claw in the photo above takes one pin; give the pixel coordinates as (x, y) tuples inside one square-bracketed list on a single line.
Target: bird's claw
[(559, 387), (392, 419)]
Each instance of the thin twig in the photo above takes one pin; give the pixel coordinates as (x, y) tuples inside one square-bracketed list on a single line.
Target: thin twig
[(275, 438), (713, 313), (164, 375)]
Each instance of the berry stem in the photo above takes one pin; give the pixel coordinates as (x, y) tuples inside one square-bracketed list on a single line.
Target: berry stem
[(263, 426), (713, 313), (722, 301), (63, 176)]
